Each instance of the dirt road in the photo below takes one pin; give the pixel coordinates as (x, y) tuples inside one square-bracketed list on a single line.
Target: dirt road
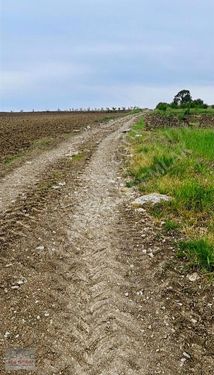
[(90, 301)]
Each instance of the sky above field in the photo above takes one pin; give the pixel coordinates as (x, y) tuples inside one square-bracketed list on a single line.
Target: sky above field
[(94, 53)]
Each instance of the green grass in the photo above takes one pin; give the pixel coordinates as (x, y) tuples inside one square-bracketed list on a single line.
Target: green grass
[(11, 159), (177, 162), (77, 157), (200, 253), (181, 111), (43, 143), (136, 129), (170, 225), (198, 141), (194, 196)]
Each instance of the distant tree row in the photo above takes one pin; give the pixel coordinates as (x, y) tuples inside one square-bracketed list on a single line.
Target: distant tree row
[(183, 100), (102, 109)]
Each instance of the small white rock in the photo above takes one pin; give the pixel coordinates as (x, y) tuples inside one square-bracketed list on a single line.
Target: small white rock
[(23, 280), (186, 355), (140, 293), (8, 265), (193, 277), (40, 248), (183, 360), (153, 198)]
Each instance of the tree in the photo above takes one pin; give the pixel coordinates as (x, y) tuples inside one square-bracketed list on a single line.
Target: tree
[(183, 98)]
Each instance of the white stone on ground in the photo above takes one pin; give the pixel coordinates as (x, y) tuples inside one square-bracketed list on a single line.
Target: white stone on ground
[(153, 198)]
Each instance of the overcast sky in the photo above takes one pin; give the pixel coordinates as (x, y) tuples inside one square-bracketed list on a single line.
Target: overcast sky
[(65, 53)]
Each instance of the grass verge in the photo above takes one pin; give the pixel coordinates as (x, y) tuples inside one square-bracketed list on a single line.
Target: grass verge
[(179, 162)]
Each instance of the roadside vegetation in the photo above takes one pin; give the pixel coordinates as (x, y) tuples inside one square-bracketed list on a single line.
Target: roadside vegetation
[(179, 162), (184, 101)]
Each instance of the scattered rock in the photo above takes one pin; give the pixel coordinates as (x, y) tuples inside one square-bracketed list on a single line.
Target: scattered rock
[(153, 198), (18, 283), (140, 293), (7, 334), (186, 355), (140, 209), (72, 153), (23, 280), (183, 360), (40, 248), (58, 186), (193, 277), (8, 265)]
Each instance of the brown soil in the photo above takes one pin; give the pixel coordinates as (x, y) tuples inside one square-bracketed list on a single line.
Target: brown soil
[(155, 120), (22, 134), (104, 293)]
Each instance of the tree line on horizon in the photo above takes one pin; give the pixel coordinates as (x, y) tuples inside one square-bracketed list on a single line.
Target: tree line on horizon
[(183, 100)]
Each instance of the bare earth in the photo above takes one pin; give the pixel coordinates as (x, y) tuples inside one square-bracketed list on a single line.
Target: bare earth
[(94, 300)]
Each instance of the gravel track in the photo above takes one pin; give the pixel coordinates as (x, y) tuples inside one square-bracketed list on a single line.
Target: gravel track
[(107, 338)]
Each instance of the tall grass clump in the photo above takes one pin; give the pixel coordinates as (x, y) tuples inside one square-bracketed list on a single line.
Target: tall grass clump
[(198, 141), (194, 196), (200, 253)]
